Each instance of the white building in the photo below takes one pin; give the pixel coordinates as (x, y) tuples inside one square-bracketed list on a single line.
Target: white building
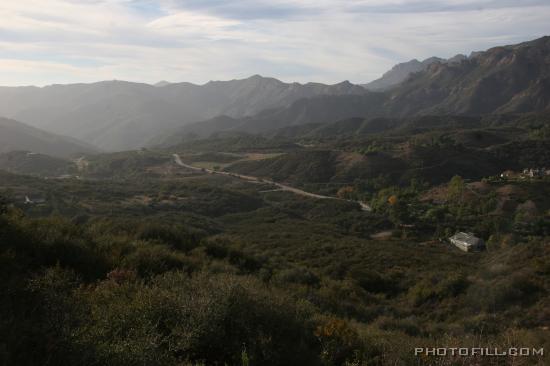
[(467, 242)]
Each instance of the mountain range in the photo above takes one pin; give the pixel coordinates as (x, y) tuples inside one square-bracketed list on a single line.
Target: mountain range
[(400, 72), (501, 80), (118, 115), (508, 79)]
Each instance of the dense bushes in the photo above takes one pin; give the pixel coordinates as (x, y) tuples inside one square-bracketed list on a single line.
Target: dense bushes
[(176, 318), (157, 309), (437, 289), (504, 292), (104, 291), (174, 235), (151, 259)]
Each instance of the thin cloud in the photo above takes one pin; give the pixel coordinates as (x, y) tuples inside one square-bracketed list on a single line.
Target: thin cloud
[(247, 9), (58, 41), (432, 6)]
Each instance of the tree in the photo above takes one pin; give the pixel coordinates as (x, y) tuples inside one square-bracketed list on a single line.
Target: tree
[(345, 192), (456, 189), (3, 205)]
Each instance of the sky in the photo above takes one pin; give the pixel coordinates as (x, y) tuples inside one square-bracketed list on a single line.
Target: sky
[(46, 42)]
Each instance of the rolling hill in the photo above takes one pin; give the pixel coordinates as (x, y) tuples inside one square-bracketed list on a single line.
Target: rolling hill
[(429, 148), (24, 162), (16, 136), (321, 109)]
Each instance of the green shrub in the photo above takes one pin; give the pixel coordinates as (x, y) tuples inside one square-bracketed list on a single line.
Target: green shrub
[(176, 318), (504, 292), (297, 276), (408, 325), (339, 340), (174, 236), (372, 281), (152, 259)]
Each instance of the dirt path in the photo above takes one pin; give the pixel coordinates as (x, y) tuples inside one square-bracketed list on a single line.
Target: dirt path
[(282, 187)]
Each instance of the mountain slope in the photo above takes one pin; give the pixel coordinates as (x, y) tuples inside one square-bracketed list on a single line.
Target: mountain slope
[(320, 109), (428, 148), (116, 115), (400, 72), (22, 162), (16, 136), (510, 79), (501, 80)]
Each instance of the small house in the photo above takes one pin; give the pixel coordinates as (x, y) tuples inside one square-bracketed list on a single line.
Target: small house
[(467, 242), (534, 172)]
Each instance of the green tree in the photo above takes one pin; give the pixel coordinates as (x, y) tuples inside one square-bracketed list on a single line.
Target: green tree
[(456, 189), (3, 205)]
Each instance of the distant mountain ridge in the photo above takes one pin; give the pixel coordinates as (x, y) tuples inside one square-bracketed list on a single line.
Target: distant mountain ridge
[(321, 109), (118, 115), (162, 83), (508, 79), (503, 79), (16, 136), (400, 72)]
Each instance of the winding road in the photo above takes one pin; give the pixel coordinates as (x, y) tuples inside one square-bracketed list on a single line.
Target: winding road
[(281, 187)]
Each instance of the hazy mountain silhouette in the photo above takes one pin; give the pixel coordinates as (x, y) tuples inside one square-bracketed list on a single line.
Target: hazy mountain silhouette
[(400, 72), (501, 80), (118, 115), (16, 136)]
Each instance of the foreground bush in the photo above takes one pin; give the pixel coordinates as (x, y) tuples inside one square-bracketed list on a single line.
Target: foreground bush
[(175, 318)]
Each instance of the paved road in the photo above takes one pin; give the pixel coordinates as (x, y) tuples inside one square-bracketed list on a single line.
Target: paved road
[(281, 187)]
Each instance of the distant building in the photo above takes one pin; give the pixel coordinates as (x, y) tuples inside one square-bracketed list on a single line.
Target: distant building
[(509, 174), (467, 242), (535, 172), (34, 201)]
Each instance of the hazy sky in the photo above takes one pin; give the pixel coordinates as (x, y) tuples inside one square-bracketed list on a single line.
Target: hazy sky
[(64, 41)]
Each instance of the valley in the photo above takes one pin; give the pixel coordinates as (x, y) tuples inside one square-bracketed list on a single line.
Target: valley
[(280, 186), (257, 222)]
